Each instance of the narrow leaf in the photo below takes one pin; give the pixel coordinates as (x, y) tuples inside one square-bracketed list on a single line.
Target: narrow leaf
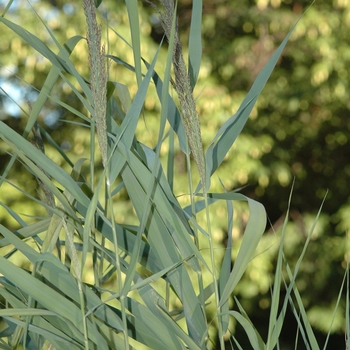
[(195, 42)]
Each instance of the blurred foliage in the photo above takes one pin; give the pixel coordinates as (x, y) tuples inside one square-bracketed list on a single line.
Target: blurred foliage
[(299, 129)]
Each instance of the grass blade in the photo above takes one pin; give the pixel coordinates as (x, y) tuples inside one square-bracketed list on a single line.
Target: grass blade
[(27, 151), (228, 133), (135, 36), (195, 42), (126, 131), (37, 44), (226, 266)]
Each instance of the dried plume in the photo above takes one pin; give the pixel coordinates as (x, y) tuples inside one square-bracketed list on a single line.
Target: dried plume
[(98, 79), (183, 89)]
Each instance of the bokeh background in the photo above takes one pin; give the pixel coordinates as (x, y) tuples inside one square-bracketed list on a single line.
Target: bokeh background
[(299, 130)]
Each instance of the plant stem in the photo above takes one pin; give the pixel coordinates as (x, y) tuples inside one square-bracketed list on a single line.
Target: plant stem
[(117, 260)]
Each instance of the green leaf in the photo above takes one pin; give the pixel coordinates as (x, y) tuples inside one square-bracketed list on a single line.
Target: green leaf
[(252, 234), (126, 131), (159, 232), (253, 335), (195, 42), (133, 14), (37, 44), (27, 151), (255, 228), (44, 295), (49, 83), (97, 3), (226, 267), (228, 133)]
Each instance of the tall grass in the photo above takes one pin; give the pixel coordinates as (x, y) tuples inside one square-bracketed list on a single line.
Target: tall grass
[(50, 305)]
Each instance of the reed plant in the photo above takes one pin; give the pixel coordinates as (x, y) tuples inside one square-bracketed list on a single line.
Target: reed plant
[(147, 290)]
